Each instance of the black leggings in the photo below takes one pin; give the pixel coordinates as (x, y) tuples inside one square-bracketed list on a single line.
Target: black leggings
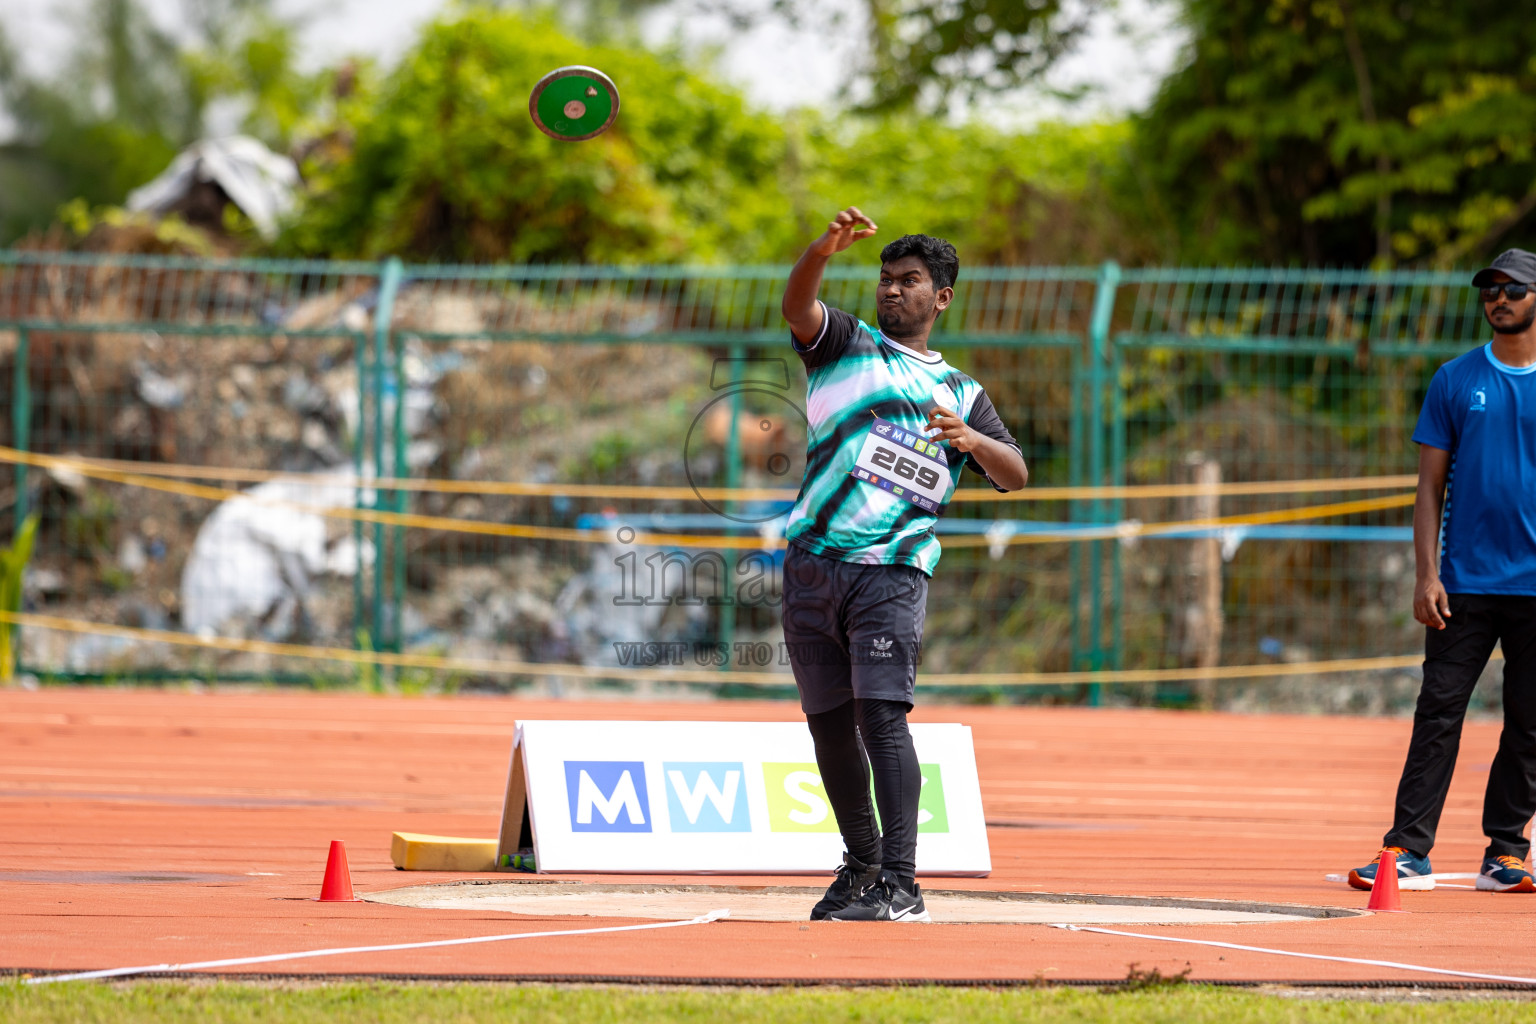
[(845, 770)]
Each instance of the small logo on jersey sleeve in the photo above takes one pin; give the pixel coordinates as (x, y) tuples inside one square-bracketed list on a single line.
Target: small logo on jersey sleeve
[(1479, 400)]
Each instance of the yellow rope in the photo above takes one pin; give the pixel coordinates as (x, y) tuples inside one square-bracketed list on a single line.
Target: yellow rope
[(486, 666), (387, 518), (1125, 530), (1321, 485)]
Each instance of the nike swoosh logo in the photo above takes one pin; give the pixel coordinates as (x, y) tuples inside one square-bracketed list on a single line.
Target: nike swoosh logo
[(904, 913)]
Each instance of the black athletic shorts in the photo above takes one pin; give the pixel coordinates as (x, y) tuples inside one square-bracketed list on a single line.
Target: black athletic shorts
[(852, 630)]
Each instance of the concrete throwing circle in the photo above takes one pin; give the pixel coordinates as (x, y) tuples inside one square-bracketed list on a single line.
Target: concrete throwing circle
[(551, 898)]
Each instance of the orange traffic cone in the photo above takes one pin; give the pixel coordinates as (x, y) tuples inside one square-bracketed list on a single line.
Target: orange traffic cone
[(337, 887), (1385, 898)]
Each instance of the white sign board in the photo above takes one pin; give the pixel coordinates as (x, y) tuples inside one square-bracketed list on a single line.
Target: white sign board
[(729, 797)]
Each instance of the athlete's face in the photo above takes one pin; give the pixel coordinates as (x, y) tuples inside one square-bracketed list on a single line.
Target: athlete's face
[(907, 302), (1506, 316)]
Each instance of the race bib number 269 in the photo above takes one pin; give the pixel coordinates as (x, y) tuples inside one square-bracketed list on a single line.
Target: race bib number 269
[(906, 464)]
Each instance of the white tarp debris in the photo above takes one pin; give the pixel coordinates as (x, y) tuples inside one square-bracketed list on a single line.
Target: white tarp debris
[(598, 626), (256, 558), (260, 182)]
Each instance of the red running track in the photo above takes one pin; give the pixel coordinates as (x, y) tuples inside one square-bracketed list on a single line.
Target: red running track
[(240, 793)]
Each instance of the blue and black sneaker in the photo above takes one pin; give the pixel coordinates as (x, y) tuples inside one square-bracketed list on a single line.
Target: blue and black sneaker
[(1505, 874), (1413, 871)]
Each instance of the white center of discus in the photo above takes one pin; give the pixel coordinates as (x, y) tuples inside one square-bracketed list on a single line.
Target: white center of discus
[(793, 903), (575, 109)]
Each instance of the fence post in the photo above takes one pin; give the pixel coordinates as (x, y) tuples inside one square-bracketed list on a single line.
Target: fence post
[(359, 444), (732, 480), (1098, 434), (400, 471), (1075, 477), (1197, 615), (1117, 510), (21, 419), (383, 314), (21, 440)]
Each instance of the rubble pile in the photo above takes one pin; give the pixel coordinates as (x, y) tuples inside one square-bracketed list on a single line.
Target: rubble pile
[(267, 564)]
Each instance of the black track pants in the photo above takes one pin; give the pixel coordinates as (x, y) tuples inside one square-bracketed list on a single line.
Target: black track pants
[(846, 764), (1453, 659)]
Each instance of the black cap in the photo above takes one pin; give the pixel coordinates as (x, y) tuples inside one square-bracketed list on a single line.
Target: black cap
[(1517, 263)]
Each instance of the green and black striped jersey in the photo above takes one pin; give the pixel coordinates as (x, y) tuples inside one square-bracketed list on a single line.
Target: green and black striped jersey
[(856, 375)]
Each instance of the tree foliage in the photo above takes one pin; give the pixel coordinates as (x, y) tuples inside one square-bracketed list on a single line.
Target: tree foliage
[(1310, 131), (112, 120), (131, 94), (446, 163), (999, 196), (928, 54), (1346, 131), (1320, 131)]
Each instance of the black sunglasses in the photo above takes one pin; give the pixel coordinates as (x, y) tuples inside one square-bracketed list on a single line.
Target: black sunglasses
[(1514, 292)]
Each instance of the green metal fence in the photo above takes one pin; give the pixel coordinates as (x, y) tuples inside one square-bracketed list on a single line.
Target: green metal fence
[(608, 396)]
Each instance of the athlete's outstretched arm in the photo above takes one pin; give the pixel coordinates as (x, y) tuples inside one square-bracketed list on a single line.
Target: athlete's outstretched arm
[(800, 306), (1431, 605)]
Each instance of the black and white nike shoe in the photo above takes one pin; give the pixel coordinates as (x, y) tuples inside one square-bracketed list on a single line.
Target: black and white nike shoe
[(851, 881), (886, 900)]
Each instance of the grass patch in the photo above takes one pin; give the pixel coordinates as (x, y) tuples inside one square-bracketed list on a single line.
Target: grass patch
[(389, 1003)]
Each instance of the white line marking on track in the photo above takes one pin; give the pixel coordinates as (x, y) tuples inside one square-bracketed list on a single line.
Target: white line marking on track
[(1438, 876), (118, 972), (1393, 964)]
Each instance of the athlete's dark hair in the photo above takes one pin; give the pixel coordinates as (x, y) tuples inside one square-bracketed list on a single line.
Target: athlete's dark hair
[(938, 256)]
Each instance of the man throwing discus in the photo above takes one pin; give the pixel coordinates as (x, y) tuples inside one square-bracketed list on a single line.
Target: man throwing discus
[(891, 426), (1477, 503)]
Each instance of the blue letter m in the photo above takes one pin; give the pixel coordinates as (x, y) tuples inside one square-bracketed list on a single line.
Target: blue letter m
[(607, 796)]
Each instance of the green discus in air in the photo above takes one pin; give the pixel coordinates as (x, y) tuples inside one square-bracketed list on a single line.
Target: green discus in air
[(574, 103)]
